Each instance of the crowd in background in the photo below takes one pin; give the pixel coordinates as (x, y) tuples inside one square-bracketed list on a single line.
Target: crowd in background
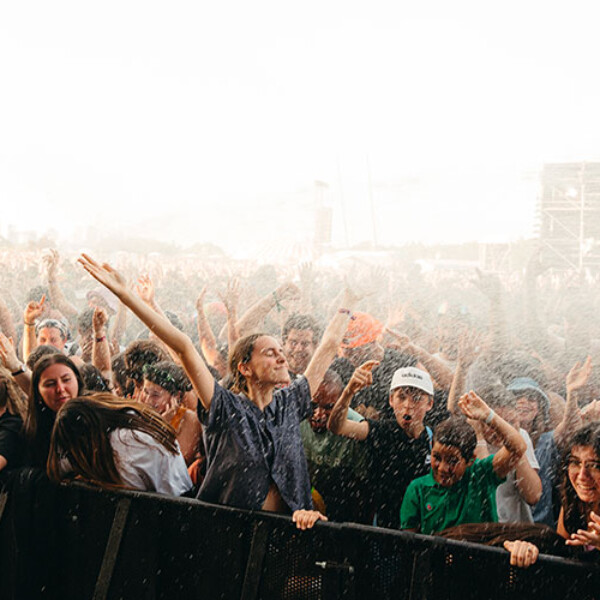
[(457, 403)]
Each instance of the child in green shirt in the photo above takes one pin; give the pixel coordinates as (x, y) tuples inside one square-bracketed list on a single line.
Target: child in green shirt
[(459, 489)]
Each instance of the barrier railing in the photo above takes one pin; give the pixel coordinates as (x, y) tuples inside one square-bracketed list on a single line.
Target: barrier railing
[(75, 542)]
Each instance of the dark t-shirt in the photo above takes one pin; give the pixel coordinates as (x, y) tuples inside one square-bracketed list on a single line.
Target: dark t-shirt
[(397, 460), (11, 440), (247, 448)]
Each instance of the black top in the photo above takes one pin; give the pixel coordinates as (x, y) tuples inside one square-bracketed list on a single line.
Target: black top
[(397, 460), (11, 440)]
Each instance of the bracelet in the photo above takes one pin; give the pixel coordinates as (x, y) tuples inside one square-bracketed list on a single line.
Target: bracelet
[(482, 443), (101, 339), (22, 369), (344, 311), (489, 418), (29, 324)]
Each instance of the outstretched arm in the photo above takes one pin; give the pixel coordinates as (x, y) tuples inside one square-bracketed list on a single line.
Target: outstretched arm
[(332, 338), (57, 296), (338, 419), (32, 312), (514, 446), (180, 343), (577, 379)]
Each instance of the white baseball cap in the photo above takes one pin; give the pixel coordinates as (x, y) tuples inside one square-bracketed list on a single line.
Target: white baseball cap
[(411, 377)]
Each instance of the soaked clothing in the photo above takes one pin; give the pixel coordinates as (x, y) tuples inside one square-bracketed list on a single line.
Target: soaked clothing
[(247, 448), (548, 457), (11, 440), (430, 507), (339, 472), (396, 460)]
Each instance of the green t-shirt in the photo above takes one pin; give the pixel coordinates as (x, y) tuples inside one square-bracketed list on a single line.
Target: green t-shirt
[(430, 508)]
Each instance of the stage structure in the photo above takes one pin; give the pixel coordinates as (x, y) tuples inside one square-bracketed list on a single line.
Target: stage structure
[(569, 211)]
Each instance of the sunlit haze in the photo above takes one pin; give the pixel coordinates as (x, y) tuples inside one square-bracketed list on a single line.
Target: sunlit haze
[(198, 122)]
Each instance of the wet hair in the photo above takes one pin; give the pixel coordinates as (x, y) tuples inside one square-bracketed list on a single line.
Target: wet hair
[(119, 370), (241, 353), (36, 401), (11, 395), (302, 322), (456, 432), (93, 379), (140, 353), (61, 326), (80, 435), (576, 512), (168, 376), (39, 352)]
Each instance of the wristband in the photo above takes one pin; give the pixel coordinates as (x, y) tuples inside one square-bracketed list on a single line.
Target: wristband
[(29, 324), (344, 311), (101, 339), (489, 418), (22, 369)]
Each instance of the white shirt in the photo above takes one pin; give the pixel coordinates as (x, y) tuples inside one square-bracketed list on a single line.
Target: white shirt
[(511, 507), (145, 464)]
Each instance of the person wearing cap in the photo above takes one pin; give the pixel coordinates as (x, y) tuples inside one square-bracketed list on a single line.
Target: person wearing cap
[(401, 446), (361, 343), (533, 410)]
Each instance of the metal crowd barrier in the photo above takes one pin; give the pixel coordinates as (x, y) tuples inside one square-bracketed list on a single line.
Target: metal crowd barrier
[(76, 542)]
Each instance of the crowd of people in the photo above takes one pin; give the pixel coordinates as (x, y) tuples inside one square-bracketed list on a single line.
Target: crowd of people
[(454, 404)]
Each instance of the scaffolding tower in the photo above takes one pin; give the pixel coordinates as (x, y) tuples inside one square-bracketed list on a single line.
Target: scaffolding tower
[(569, 211)]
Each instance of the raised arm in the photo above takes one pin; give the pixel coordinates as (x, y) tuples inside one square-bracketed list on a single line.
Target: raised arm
[(208, 343), (251, 321), (338, 419), (32, 312), (577, 379), (331, 340), (231, 299), (442, 374), (506, 459), (467, 352), (180, 343), (11, 362), (100, 345), (57, 296)]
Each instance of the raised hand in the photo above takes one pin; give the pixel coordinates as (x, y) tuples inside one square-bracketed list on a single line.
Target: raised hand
[(589, 536), (362, 376), (468, 347), (145, 289), (50, 261), (473, 407), (104, 274), (34, 310), (99, 320), (579, 375), (8, 356), (231, 296), (288, 292)]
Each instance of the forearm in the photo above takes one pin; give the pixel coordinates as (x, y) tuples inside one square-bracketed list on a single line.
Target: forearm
[(528, 482), (101, 352), (442, 374), (59, 300), (119, 325), (253, 318), (29, 340), (232, 330), (339, 413), (457, 387), (511, 438), (571, 420)]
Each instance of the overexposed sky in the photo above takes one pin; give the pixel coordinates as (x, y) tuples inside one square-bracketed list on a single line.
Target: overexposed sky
[(211, 121)]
